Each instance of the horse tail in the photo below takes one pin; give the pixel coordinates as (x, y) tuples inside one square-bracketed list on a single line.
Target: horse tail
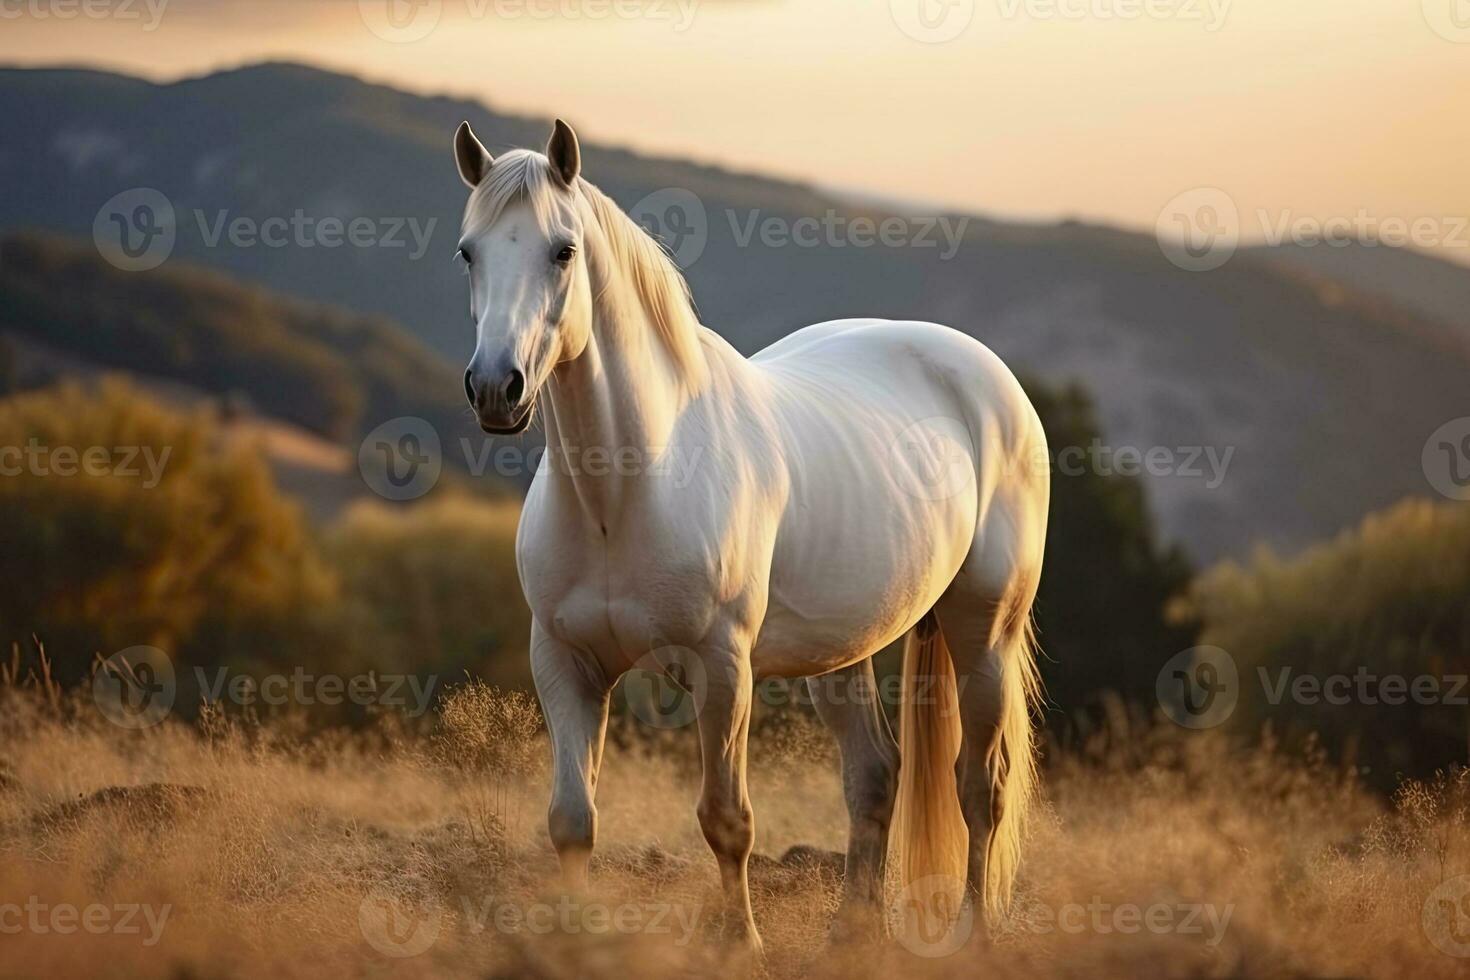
[(1013, 772), (929, 833), (928, 829)]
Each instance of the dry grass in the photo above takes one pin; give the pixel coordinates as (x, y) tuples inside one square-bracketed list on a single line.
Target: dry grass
[(283, 854)]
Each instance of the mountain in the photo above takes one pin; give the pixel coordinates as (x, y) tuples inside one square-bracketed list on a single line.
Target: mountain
[(320, 369), (1313, 395), (1416, 280)]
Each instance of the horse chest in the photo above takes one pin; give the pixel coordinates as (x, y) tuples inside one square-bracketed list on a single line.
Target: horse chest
[(627, 592)]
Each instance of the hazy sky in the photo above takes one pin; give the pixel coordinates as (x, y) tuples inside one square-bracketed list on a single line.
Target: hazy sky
[(1104, 109)]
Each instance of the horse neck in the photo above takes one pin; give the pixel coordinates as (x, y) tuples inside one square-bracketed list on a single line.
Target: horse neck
[(623, 394)]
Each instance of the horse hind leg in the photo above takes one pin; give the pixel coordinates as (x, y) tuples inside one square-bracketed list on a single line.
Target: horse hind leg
[(847, 702), (990, 643)]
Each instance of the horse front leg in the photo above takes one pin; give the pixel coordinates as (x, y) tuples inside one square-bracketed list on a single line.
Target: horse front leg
[(574, 698), (725, 814)]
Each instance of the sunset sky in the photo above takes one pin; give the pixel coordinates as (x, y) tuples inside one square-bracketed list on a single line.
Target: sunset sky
[(1101, 109)]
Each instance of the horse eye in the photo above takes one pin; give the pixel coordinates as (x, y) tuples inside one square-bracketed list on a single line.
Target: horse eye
[(564, 255), (462, 256)]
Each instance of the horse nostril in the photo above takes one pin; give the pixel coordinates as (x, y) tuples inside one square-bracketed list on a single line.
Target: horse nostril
[(515, 388), (469, 388)]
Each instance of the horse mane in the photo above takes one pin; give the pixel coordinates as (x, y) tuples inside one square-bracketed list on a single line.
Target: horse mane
[(660, 286)]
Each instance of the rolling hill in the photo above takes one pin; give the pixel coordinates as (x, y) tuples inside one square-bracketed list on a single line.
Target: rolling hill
[(1321, 388)]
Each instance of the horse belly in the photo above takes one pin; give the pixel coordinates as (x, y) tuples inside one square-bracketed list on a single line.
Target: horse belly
[(843, 591)]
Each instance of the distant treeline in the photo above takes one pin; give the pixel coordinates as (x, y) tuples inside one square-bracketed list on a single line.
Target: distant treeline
[(333, 372), (211, 562), (124, 523), (189, 546), (1363, 641)]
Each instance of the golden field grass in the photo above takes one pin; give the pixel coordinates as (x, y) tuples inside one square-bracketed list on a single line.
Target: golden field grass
[(275, 852)]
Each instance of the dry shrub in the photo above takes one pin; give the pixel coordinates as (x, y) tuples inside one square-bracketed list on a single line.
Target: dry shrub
[(273, 850), (488, 739)]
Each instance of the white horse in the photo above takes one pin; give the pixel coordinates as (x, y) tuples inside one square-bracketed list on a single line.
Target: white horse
[(858, 481)]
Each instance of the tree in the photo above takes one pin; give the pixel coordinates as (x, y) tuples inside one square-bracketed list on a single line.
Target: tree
[(125, 523), (1107, 582), (1383, 607)]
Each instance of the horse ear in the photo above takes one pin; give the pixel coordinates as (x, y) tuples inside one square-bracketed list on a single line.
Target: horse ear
[(470, 155), (564, 153)]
